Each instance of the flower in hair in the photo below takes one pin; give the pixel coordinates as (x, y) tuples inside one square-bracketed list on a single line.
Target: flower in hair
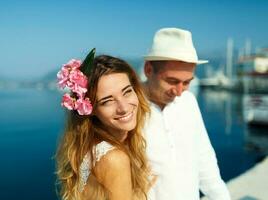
[(78, 83), (83, 106), (64, 73), (73, 75), (68, 101)]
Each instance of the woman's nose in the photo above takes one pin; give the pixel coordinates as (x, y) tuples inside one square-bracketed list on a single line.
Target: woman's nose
[(122, 106)]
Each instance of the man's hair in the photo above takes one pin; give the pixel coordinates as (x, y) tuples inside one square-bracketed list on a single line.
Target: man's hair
[(157, 65)]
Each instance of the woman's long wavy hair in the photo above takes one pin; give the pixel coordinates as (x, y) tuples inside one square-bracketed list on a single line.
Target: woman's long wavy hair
[(83, 132)]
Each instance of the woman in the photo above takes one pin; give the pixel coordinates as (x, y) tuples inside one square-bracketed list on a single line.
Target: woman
[(102, 152)]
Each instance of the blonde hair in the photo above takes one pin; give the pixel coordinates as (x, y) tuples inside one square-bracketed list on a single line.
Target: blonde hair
[(83, 132)]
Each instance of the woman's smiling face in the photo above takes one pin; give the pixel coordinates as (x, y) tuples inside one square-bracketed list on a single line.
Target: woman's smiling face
[(117, 103)]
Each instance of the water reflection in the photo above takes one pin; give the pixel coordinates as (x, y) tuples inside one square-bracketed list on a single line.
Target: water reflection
[(256, 139), (237, 145), (30, 123)]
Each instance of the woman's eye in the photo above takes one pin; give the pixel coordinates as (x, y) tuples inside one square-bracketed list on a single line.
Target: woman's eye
[(129, 91), (108, 102)]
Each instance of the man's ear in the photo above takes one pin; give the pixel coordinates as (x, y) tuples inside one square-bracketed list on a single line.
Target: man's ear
[(148, 69)]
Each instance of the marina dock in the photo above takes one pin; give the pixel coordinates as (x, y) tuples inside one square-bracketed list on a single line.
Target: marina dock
[(251, 185)]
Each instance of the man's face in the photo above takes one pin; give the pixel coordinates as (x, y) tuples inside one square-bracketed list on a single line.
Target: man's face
[(169, 81)]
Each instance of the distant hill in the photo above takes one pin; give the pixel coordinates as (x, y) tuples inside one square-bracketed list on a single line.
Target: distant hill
[(50, 76)]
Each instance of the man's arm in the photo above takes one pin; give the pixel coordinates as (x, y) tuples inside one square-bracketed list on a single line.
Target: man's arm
[(210, 181)]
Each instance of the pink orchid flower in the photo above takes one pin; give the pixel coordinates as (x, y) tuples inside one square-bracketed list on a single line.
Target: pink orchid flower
[(78, 83), (73, 64), (79, 78), (83, 106), (63, 77), (70, 76), (81, 92), (68, 102)]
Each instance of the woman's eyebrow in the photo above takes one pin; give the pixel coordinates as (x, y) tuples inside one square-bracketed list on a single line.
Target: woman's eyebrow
[(104, 98), (128, 86)]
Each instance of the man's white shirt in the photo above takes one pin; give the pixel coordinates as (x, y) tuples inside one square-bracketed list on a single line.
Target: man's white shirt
[(180, 153)]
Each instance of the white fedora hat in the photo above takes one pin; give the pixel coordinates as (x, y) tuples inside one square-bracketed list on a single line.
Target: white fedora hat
[(173, 44)]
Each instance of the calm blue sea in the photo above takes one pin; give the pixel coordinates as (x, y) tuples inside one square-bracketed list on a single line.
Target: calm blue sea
[(31, 122)]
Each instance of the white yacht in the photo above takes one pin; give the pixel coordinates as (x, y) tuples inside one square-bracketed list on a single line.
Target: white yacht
[(255, 109)]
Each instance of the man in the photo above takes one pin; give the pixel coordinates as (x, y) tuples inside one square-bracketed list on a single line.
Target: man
[(178, 146)]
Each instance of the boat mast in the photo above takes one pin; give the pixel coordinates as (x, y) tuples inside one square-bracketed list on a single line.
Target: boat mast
[(247, 47), (229, 59)]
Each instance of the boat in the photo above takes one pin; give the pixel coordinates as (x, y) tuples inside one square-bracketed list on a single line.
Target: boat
[(255, 109), (252, 71)]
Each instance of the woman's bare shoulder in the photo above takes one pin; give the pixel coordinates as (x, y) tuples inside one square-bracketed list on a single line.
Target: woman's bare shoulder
[(114, 172), (115, 160)]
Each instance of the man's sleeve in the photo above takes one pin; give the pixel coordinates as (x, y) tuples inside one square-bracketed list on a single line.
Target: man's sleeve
[(210, 181)]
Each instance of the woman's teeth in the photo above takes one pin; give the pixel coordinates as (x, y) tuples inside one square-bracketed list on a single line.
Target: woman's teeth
[(126, 118)]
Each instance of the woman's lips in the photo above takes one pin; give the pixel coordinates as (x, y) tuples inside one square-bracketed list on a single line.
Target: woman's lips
[(126, 118)]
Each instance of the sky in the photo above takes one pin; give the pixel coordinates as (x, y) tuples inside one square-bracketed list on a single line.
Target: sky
[(37, 37)]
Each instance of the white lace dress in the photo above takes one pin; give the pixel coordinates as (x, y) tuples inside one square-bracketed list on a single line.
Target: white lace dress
[(100, 149)]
